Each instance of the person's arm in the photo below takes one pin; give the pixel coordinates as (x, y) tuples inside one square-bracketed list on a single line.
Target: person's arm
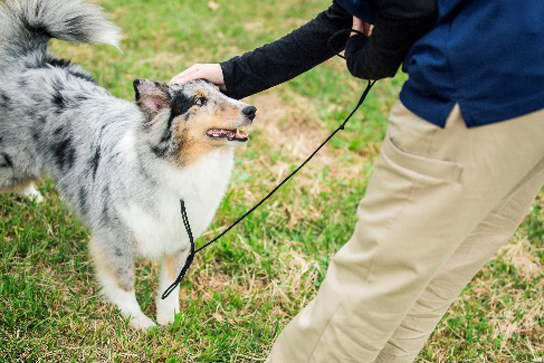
[(285, 58), (398, 24), (277, 62)]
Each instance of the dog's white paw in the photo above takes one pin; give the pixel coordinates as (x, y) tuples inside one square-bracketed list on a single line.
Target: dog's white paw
[(31, 193), (167, 308), (141, 322), (37, 197), (166, 317)]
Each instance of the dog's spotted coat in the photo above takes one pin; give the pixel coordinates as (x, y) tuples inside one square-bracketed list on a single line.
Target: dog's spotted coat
[(122, 167)]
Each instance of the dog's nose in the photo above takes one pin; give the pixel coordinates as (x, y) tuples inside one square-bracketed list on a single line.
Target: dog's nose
[(250, 112)]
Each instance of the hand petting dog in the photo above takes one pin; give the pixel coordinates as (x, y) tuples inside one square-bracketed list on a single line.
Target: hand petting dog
[(210, 71)]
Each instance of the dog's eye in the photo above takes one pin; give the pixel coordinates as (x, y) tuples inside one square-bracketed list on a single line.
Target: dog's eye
[(201, 101)]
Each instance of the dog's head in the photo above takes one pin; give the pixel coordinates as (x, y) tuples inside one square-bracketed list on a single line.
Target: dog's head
[(184, 122)]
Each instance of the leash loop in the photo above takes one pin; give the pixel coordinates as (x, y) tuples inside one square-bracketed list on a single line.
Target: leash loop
[(191, 256), (335, 36)]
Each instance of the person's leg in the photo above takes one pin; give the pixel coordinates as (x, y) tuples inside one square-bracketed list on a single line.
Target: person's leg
[(409, 338), (430, 188)]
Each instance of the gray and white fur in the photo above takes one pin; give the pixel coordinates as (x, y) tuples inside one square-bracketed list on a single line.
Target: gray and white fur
[(122, 167)]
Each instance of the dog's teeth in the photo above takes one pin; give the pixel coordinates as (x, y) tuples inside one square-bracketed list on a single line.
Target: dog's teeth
[(230, 134)]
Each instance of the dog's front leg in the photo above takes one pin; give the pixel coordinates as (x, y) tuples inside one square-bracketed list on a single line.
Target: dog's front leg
[(115, 271), (169, 307)]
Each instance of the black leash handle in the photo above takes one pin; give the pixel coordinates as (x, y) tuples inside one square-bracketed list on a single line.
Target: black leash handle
[(192, 253)]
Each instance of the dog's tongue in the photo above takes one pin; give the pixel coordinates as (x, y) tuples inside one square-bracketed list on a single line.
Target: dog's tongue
[(218, 132)]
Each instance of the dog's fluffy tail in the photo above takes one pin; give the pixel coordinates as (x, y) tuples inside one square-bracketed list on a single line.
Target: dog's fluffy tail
[(28, 25)]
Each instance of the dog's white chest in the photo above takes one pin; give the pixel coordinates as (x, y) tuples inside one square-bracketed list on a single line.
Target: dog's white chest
[(160, 230)]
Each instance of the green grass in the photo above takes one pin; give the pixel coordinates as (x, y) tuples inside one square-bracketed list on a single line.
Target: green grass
[(242, 291)]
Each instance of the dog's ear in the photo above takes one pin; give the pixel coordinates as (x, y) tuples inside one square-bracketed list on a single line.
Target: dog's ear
[(152, 97)]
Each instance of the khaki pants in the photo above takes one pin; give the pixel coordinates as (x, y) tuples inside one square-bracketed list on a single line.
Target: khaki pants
[(439, 204)]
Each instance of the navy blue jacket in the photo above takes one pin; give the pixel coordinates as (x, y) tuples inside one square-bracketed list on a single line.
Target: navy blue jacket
[(486, 55)]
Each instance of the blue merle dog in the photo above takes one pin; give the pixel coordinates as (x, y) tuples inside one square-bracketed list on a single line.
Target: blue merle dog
[(122, 167)]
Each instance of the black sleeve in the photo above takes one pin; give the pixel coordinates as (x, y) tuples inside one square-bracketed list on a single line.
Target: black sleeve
[(398, 24), (285, 58)]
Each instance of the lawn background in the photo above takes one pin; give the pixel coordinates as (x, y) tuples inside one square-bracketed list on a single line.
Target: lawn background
[(242, 291)]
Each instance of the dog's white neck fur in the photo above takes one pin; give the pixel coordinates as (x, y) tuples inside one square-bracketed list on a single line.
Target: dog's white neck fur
[(159, 230)]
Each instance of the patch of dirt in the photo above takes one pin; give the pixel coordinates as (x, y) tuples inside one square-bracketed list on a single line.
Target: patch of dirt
[(295, 128), (518, 255)]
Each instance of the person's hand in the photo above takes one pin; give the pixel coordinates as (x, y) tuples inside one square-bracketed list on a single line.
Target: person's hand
[(361, 26), (211, 72)]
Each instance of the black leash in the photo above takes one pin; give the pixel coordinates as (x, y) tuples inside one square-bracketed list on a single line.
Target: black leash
[(194, 251)]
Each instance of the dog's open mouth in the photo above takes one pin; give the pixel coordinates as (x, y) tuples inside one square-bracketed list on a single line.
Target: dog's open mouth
[(240, 135)]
